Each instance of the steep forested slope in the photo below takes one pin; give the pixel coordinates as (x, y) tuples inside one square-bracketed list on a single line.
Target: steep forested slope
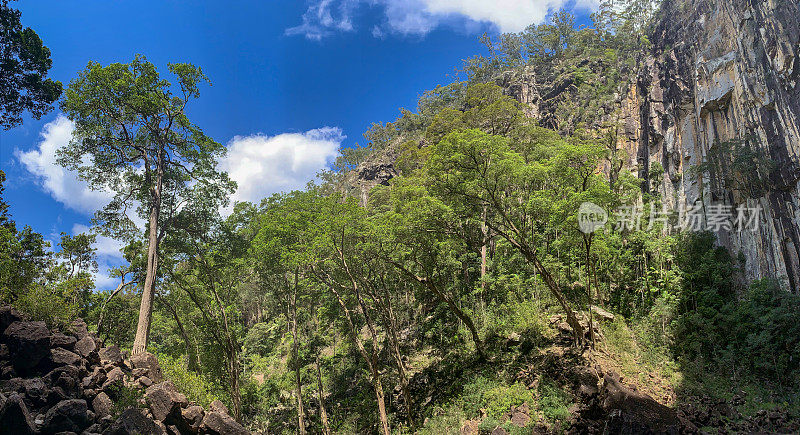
[(443, 278)]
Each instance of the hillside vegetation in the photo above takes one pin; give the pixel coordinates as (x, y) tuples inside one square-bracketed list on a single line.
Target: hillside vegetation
[(457, 293)]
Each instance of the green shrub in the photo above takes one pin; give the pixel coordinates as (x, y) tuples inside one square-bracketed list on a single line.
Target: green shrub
[(45, 304), (196, 387), (553, 402), (499, 400), (125, 398)]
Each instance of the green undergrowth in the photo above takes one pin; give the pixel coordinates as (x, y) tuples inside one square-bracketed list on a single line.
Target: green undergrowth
[(196, 388)]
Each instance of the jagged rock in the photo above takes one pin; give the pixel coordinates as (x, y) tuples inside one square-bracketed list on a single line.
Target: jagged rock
[(471, 427), (68, 415), (114, 377), (15, 418), (63, 341), (36, 391), (218, 406), (631, 412), (8, 315), (94, 379), (85, 346), (28, 344), (520, 415), (216, 423), (133, 422), (165, 401), (102, 404), (145, 382), (148, 362), (193, 417), (63, 357), (79, 329), (110, 355), (94, 429), (602, 314)]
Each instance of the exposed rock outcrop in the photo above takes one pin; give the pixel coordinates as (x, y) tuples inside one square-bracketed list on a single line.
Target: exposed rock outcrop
[(725, 71), (67, 383), (720, 72)]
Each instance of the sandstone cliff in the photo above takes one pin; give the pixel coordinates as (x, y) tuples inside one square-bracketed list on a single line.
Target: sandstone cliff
[(719, 73), (725, 71)]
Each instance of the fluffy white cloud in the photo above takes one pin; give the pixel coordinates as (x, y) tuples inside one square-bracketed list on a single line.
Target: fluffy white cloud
[(262, 165), (63, 185), (419, 17)]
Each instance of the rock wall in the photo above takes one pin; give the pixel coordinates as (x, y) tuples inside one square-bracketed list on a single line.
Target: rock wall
[(719, 72), (724, 71)]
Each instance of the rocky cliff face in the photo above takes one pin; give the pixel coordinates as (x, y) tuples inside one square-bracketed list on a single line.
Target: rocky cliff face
[(717, 104), (725, 71)]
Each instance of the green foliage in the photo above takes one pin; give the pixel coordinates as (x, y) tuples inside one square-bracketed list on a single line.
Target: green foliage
[(24, 65), (45, 303), (194, 385), (125, 398), (498, 401)]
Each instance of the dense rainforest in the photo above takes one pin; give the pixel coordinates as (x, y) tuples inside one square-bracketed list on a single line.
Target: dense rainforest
[(458, 294)]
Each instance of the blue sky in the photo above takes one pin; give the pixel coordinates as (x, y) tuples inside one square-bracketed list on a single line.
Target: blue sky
[(292, 81)]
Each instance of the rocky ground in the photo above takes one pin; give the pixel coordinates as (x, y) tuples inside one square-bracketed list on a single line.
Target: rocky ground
[(66, 383), (608, 403)]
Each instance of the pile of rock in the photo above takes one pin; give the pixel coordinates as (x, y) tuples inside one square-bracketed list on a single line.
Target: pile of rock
[(65, 383)]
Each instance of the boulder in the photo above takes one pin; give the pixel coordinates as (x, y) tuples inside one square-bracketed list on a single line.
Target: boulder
[(67, 416), (218, 406), (192, 417), (28, 343), (114, 377), (132, 422), (110, 355), (85, 346), (63, 357), (79, 329), (36, 391), (8, 315), (63, 341), (102, 405), (95, 379), (145, 382), (148, 362), (632, 412), (216, 423), (15, 418), (165, 402)]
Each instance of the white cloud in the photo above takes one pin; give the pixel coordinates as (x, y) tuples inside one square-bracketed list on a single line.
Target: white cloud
[(325, 17), (262, 165), (419, 17), (63, 185), (109, 255)]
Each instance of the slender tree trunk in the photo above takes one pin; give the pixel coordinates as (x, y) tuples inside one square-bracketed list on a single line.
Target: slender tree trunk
[(587, 242), (190, 349), (298, 381), (121, 286), (146, 307), (369, 360), (572, 319), (326, 429), (381, 400)]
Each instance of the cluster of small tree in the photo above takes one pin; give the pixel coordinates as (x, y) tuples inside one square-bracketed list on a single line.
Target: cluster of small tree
[(313, 312)]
